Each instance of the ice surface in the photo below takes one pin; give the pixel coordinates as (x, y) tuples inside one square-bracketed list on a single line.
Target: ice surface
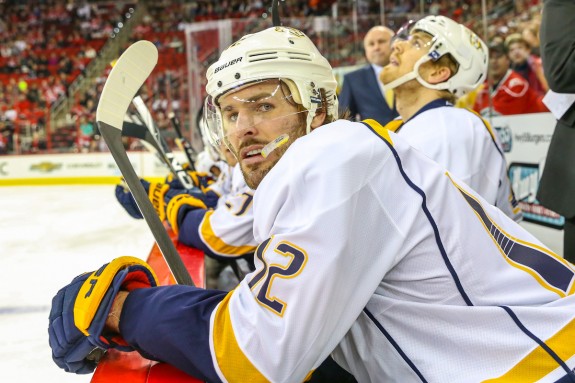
[(48, 235)]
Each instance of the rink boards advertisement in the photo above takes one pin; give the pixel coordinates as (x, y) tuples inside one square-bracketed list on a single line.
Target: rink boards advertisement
[(525, 140), (89, 168)]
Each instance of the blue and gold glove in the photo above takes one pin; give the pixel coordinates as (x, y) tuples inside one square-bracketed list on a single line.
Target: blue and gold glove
[(200, 180), (179, 207), (126, 199), (79, 312), (160, 194), (157, 193)]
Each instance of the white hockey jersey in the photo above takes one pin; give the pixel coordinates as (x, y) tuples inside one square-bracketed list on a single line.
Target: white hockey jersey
[(466, 145), (371, 250), (374, 253), (227, 230), (223, 184)]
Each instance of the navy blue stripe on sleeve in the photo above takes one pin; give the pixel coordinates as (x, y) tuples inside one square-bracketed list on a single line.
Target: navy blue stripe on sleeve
[(189, 233), (172, 324)]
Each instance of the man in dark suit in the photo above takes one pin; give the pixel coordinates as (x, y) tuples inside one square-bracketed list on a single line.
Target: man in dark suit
[(557, 184), (362, 93)]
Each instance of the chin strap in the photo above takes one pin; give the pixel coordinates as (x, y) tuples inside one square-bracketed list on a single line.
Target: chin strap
[(309, 119), (414, 75), (400, 81)]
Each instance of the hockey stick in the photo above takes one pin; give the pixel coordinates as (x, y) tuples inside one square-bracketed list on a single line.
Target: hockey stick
[(181, 140), (169, 157), (127, 76), (135, 130), (134, 127)]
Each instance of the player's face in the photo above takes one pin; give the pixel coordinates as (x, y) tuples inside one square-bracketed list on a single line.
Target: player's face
[(253, 117), (377, 45), (229, 157), (404, 55)]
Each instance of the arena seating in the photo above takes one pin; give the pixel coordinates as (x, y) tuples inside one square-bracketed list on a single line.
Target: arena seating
[(47, 45)]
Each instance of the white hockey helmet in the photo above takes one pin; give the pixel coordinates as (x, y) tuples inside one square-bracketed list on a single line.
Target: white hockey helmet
[(465, 47), (209, 147), (280, 53)]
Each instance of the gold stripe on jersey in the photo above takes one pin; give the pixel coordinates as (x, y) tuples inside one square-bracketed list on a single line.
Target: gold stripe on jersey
[(378, 129), (538, 363), (551, 271), (487, 124), (515, 208), (233, 363), (394, 125), (216, 244)]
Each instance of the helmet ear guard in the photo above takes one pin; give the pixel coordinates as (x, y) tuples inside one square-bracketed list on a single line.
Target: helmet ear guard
[(466, 48), (277, 52)]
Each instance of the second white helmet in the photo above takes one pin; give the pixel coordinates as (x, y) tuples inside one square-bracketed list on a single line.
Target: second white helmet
[(465, 47)]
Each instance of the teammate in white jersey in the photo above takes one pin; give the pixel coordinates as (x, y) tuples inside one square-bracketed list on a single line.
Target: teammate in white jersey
[(224, 233), (218, 221), (369, 251), (434, 61)]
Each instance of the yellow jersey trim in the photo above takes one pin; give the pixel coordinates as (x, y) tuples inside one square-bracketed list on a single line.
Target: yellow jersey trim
[(216, 244), (534, 273), (394, 125), (538, 363), (379, 130), (233, 363)]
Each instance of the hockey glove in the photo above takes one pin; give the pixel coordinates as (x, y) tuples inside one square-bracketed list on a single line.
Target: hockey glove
[(200, 180), (79, 312), (157, 193), (126, 199), (161, 194), (179, 207)]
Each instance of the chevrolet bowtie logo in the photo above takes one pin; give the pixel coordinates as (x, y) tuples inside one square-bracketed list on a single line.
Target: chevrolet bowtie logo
[(45, 166)]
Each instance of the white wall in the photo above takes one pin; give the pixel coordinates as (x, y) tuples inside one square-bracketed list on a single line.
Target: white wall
[(89, 168), (525, 139)]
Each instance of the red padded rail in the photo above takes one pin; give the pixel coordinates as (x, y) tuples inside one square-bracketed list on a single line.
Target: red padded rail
[(131, 367)]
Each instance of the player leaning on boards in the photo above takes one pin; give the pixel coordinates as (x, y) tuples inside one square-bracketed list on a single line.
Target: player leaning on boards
[(433, 62), (216, 219), (368, 251)]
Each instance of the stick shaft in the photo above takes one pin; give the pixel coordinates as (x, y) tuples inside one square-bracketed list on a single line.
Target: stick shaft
[(113, 139)]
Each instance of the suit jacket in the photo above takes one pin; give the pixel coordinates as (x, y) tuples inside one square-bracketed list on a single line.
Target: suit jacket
[(361, 94), (557, 184)]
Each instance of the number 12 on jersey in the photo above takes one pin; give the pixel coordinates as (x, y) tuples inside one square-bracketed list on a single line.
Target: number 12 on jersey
[(296, 259)]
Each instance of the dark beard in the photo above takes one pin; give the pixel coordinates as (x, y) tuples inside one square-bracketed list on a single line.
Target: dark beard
[(254, 176)]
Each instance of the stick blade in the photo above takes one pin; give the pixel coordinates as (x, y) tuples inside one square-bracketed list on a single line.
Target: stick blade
[(125, 79)]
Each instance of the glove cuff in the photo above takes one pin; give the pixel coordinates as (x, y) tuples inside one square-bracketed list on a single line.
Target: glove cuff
[(95, 297), (182, 201), (156, 195)]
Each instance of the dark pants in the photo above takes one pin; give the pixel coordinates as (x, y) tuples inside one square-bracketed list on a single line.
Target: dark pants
[(569, 239), (330, 372)]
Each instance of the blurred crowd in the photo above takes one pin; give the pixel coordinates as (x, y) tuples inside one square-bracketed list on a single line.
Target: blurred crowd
[(46, 44)]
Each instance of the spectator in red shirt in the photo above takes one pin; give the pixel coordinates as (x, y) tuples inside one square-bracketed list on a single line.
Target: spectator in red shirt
[(525, 63), (511, 93)]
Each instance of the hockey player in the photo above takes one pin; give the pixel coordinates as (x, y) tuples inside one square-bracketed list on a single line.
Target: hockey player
[(433, 62), (224, 225), (215, 218), (368, 250)]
